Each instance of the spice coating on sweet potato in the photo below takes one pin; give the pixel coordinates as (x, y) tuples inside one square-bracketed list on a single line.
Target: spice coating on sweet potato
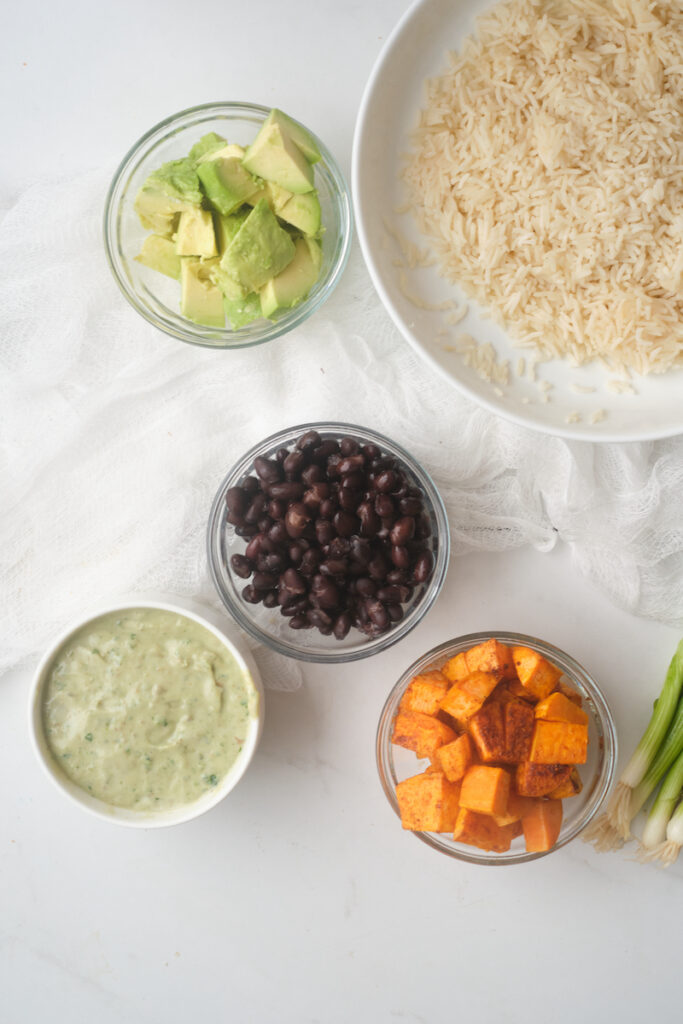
[(571, 786), (456, 668), (420, 733), (490, 656), (540, 779), (519, 729), (487, 729), (455, 758)]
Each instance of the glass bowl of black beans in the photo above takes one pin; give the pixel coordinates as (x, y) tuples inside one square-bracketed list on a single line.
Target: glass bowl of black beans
[(328, 542)]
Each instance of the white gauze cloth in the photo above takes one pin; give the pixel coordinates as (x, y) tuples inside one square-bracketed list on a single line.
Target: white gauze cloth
[(114, 439)]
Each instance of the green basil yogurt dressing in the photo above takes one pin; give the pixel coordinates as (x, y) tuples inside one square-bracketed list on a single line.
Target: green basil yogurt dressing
[(146, 709)]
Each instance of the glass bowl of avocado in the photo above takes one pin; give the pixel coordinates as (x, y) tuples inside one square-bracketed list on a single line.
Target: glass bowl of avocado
[(227, 225)]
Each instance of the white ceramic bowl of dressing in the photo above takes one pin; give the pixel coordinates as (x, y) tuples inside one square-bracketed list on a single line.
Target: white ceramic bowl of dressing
[(183, 812)]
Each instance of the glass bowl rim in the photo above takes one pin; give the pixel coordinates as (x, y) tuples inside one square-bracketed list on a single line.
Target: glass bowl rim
[(577, 673), (192, 335), (434, 586)]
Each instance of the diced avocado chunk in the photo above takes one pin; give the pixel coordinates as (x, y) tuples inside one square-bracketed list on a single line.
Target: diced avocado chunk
[(195, 236), (294, 283), (275, 196), (303, 212), (241, 312), (159, 212), (177, 178), (159, 254), (226, 183), (224, 153), (228, 226), (299, 136), (230, 288), (261, 249), (200, 299), (208, 144), (274, 157)]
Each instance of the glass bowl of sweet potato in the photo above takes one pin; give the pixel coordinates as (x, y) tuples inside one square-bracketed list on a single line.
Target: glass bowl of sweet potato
[(496, 748)]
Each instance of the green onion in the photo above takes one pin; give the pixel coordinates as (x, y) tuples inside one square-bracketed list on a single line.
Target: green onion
[(654, 833), (668, 851), (613, 828)]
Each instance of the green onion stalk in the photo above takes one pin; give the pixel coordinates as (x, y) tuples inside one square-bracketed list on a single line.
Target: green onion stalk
[(669, 850), (663, 808), (660, 745)]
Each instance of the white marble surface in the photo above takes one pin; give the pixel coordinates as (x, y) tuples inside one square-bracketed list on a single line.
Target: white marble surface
[(299, 899)]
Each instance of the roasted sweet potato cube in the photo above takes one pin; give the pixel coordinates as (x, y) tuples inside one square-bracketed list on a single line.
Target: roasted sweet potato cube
[(571, 786), (540, 779), (487, 729), (420, 733), (536, 675), (485, 789), (517, 806), (542, 824), (559, 743), (428, 802), (466, 697), (425, 693), (519, 728), (570, 693), (490, 656), (482, 831), (454, 758), (456, 668), (558, 708)]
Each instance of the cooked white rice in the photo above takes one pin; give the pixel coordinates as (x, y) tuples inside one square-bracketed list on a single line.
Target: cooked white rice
[(548, 167)]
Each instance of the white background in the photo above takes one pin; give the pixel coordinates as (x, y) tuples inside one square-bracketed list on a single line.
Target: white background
[(299, 899)]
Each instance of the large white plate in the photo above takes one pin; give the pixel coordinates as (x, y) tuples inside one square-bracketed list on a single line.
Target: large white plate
[(418, 49)]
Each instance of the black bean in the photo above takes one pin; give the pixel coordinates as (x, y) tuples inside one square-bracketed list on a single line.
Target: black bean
[(410, 506), (422, 569), (360, 549), (251, 595), (353, 481), (395, 612), (278, 533), (288, 490), (350, 464), (309, 562), (255, 510), (294, 583), (396, 576), (250, 485), (324, 592), (241, 566), (334, 567), (318, 618), (342, 625), (424, 527), (258, 545), (378, 567), (366, 587), (246, 530), (237, 501), (369, 520), (296, 552), (270, 599), (264, 524), (385, 481), (312, 474), (384, 506), (311, 439), (324, 531), (277, 508), (321, 454), (377, 613), (389, 595), (400, 556), (348, 446), (348, 499), (272, 562), (294, 464), (264, 581), (299, 622), (339, 547), (297, 519), (316, 494), (268, 470), (403, 530), (370, 452), (281, 454), (333, 464), (328, 507), (345, 523)]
